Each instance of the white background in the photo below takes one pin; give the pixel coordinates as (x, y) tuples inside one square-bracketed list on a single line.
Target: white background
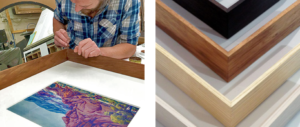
[(194, 112)]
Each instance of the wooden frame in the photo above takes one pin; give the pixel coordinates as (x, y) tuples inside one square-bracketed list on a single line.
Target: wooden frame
[(229, 113), (141, 40), (27, 10), (169, 117), (8, 3), (285, 112), (142, 15), (227, 64), (11, 25), (18, 73), (227, 21)]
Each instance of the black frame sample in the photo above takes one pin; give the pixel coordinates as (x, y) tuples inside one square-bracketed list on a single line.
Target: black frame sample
[(227, 21)]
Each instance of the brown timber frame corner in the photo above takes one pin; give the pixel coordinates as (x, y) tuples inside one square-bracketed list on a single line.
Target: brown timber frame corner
[(227, 64)]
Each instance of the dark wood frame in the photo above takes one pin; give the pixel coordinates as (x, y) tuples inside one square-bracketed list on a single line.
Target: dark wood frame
[(18, 73), (227, 64), (227, 21)]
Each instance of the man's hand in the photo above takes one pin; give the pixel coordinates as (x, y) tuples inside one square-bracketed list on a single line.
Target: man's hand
[(61, 38), (87, 48)]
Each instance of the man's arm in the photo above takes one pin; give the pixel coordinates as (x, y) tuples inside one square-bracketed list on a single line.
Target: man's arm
[(60, 35), (129, 34), (120, 51), (57, 25), (88, 48)]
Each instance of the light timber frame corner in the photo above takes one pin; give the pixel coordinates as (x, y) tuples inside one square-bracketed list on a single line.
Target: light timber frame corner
[(227, 64), (285, 111), (169, 117), (229, 113)]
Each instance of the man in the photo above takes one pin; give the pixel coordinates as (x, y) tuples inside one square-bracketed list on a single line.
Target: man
[(97, 27)]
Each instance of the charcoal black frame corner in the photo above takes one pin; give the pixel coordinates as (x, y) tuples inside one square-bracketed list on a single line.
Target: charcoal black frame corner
[(227, 21)]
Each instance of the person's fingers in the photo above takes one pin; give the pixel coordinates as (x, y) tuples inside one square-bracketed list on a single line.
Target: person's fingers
[(59, 42), (95, 53), (65, 33), (92, 54), (81, 44), (88, 51), (76, 49), (60, 35), (56, 42), (86, 46)]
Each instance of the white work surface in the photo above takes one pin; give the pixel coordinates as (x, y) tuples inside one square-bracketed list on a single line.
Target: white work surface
[(113, 85), (199, 116)]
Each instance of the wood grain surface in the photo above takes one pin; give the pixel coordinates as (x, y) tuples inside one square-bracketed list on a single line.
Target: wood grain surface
[(229, 113), (248, 51), (227, 64), (18, 73), (9, 3), (265, 85), (205, 49), (110, 64), (193, 85)]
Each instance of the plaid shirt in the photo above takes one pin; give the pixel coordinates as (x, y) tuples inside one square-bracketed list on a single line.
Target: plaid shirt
[(116, 22)]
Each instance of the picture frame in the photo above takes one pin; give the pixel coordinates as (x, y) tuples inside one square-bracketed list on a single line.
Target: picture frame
[(26, 9), (227, 64), (229, 113), (281, 116), (18, 73), (7, 4), (168, 116), (11, 25), (227, 21)]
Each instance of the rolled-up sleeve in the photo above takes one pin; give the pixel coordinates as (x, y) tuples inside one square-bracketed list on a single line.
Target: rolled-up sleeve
[(130, 25), (58, 15)]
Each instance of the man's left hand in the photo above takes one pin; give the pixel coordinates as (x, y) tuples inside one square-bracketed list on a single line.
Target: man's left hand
[(87, 48)]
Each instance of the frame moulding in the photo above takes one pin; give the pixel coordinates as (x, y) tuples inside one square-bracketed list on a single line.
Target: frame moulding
[(168, 116), (283, 113), (18, 73), (227, 64), (229, 113)]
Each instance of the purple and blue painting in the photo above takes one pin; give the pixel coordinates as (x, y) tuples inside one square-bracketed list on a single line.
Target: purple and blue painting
[(61, 105)]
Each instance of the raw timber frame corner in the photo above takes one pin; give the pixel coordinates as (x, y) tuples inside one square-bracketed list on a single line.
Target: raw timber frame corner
[(229, 113), (227, 64)]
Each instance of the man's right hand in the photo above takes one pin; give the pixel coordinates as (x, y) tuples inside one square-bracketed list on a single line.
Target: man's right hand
[(61, 38)]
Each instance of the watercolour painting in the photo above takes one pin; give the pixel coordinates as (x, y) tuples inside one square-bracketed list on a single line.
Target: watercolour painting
[(61, 105)]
